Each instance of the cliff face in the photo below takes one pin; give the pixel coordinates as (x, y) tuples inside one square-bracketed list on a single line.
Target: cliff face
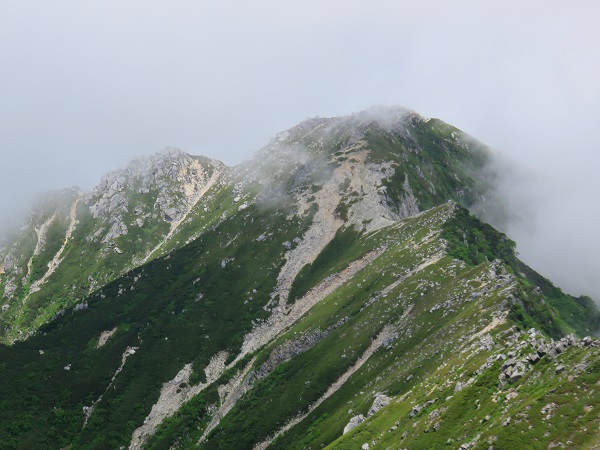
[(329, 291)]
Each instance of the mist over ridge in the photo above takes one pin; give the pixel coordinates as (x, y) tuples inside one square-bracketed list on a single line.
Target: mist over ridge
[(543, 214)]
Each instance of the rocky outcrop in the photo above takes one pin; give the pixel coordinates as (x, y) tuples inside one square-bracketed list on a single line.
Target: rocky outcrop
[(291, 348), (518, 362), (380, 401), (158, 192), (163, 187), (175, 393), (354, 422)]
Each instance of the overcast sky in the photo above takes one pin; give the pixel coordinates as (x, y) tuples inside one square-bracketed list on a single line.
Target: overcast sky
[(87, 86)]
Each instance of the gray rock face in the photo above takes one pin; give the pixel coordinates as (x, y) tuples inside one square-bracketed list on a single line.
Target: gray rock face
[(354, 422), (118, 228), (171, 214), (561, 347), (289, 349), (380, 402), (9, 289), (514, 368), (409, 206), (9, 263), (159, 186), (515, 376), (415, 411)]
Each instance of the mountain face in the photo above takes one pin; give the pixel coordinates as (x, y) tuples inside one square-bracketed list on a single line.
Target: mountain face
[(74, 242), (331, 291)]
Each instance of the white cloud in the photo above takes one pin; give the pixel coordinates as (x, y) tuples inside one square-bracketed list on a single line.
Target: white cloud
[(86, 86)]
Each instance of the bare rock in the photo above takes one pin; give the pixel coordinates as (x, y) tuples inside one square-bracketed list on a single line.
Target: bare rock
[(380, 402), (354, 422)]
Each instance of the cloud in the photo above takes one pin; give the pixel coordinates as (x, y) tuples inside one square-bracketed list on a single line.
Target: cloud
[(88, 86), (552, 219)]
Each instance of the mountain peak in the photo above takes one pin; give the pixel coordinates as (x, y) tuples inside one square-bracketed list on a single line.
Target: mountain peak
[(181, 300)]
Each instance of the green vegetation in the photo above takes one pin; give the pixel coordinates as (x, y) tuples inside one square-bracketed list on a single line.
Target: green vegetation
[(431, 320), (474, 241), (446, 168), (339, 249), (164, 316), (541, 303)]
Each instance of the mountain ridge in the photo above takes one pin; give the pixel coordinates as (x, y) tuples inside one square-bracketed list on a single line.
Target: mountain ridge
[(335, 278), (147, 201)]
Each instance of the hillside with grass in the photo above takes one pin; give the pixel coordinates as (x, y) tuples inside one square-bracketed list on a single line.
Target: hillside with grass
[(333, 291)]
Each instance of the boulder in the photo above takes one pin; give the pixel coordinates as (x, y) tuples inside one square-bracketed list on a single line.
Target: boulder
[(561, 347), (414, 411), (380, 401), (354, 422), (515, 376)]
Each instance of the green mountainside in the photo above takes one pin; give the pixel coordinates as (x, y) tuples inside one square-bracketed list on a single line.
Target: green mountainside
[(74, 243), (333, 291)]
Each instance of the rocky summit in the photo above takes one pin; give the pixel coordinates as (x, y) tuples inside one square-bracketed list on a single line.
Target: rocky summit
[(332, 291)]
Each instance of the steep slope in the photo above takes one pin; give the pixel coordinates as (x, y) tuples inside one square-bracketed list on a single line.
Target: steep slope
[(366, 170), (274, 303), (74, 243), (391, 315)]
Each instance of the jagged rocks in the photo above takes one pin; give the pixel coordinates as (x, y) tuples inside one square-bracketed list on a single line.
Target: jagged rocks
[(171, 214), (409, 205), (289, 349), (380, 402), (514, 369), (162, 186), (417, 408), (516, 375), (9, 289), (117, 229), (354, 422), (9, 263)]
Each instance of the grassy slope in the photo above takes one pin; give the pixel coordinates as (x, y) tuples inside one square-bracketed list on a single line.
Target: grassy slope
[(475, 242), (164, 317), (84, 258), (161, 315), (422, 359), (447, 168), (478, 413)]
